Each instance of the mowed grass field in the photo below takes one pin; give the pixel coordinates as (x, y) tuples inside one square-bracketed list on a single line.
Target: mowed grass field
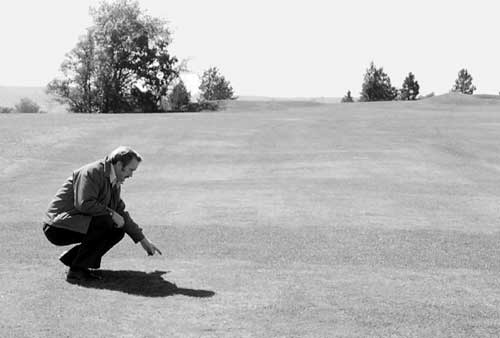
[(276, 219)]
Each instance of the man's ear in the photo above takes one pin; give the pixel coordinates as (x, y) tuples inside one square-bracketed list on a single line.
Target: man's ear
[(119, 165)]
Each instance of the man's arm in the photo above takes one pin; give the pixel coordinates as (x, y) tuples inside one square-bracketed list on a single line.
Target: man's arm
[(133, 229), (123, 218)]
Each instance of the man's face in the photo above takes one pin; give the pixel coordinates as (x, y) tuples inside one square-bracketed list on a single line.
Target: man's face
[(124, 172)]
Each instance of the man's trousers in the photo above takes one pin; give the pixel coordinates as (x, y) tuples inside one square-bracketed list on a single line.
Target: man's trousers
[(101, 236)]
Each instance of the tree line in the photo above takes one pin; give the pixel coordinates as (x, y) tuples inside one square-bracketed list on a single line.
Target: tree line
[(377, 86), (123, 64)]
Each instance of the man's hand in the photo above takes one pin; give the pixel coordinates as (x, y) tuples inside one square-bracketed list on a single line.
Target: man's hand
[(149, 247), (117, 219)]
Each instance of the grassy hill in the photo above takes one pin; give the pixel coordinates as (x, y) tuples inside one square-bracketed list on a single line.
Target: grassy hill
[(10, 96), (275, 219), (463, 99)]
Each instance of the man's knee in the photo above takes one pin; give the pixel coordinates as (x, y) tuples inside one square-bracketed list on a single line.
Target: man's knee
[(118, 234), (60, 237)]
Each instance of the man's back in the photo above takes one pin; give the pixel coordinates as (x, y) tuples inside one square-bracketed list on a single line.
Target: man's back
[(63, 208)]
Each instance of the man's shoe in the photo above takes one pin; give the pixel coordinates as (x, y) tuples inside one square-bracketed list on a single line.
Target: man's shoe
[(81, 275), (76, 275)]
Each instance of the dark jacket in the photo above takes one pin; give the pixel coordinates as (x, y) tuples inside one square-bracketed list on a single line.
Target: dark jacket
[(86, 193)]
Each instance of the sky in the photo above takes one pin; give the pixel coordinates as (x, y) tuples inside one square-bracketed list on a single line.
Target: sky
[(279, 48)]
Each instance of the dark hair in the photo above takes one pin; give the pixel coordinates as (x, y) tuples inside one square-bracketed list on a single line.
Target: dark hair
[(124, 155)]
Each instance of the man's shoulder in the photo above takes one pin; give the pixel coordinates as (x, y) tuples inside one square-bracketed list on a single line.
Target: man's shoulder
[(93, 168)]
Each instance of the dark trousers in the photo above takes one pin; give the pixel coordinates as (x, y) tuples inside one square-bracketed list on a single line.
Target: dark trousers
[(101, 236)]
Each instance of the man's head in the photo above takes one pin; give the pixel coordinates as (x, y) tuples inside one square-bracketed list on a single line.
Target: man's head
[(125, 161)]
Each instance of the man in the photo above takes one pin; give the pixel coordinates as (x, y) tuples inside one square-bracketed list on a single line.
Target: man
[(88, 210)]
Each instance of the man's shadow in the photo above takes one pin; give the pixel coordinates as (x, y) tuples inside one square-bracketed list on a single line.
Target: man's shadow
[(141, 284)]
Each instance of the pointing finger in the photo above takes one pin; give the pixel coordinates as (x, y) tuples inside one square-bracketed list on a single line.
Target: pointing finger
[(158, 251)]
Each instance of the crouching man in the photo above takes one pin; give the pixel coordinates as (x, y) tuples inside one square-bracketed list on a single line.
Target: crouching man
[(88, 211)]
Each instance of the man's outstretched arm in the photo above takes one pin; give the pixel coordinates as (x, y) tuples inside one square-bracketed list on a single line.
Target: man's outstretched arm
[(133, 229)]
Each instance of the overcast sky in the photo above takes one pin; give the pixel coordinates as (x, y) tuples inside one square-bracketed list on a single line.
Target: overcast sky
[(302, 48)]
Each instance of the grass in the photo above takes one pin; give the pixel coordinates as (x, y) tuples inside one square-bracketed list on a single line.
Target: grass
[(275, 220)]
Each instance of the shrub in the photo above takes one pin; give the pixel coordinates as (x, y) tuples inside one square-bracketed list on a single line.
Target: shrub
[(27, 106), (6, 110), (347, 98), (208, 105), (193, 107)]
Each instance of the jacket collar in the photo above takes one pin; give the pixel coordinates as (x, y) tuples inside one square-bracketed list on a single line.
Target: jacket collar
[(107, 166)]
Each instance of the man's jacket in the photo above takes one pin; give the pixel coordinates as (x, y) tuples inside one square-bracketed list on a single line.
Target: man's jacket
[(86, 193)]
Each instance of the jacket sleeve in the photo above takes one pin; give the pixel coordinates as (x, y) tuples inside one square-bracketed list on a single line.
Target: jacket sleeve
[(86, 189), (131, 228)]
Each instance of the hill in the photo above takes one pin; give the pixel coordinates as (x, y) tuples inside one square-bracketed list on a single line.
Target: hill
[(10, 96), (290, 99), (243, 105), (463, 99), (285, 219)]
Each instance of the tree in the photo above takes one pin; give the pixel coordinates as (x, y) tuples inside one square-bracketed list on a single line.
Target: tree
[(410, 88), (347, 98), (214, 86), (121, 64), (377, 86), (78, 88), (463, 84), (179, 97)]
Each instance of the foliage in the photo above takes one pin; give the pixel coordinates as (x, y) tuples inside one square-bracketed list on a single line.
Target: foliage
[(347, 98), (6, 110), (410, 88), (214, 86), (78, 88), (463, 84), (122, 63), (200, 106), (377, 86), (27, 106), (205, 106), (179, 97)]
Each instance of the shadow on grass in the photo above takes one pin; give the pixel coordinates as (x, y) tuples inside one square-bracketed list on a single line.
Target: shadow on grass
[(141, 284)]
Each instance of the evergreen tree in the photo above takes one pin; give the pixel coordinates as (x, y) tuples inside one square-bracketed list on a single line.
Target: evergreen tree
[(377, 86), (214, 86), (179, 97), (463, 84), (410, 88)]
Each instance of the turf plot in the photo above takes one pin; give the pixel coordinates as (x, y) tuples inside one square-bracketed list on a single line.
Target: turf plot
[(275, 220)]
